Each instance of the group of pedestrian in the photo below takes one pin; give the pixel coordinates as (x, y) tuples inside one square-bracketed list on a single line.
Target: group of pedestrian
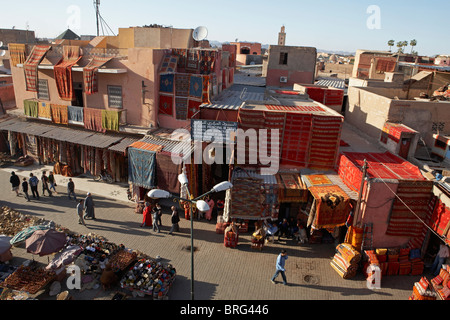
[(48, 183), (85, 207), (152, 217)]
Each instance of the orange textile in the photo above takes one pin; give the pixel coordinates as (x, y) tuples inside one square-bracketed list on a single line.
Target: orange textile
[(318, 179), (332, 206), (59, 114)]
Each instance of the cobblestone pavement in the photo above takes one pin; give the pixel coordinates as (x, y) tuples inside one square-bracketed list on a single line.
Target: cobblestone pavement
[(220, 273)]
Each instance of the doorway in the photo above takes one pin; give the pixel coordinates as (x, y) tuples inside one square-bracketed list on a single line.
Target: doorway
[(405, 143), (78, 94)]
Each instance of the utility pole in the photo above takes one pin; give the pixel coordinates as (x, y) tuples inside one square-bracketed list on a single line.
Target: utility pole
[(97, 14), (357, 218)]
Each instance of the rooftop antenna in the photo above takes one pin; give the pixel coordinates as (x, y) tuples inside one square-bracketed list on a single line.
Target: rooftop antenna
[(200, 33), (97, 15), (100, 21)]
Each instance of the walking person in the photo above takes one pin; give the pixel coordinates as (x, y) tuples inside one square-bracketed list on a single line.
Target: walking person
[(44, 180), (80, 212), (34, 181), (208, 214), (147, 216), (281, 260), (15, 182), (155, 219), (175, 219), (71, 189), (159, 213), (52, 181), (89, 207), (25, 189)]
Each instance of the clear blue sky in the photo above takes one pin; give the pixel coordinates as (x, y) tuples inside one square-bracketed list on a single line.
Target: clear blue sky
[(325, 24)]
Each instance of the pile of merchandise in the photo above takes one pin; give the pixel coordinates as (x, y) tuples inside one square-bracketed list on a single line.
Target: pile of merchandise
[(30, 279), (149, 277), (441, 283), (395, 261), (346, 260), (423, 291), (12, 221)]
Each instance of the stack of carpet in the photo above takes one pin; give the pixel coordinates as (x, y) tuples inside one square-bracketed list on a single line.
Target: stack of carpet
[(405, 264), (372, 259), (394, 265), (382, 259), (417, 264), (346, 260)]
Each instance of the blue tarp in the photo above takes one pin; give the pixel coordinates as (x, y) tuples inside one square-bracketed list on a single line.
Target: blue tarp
[(141, 167)]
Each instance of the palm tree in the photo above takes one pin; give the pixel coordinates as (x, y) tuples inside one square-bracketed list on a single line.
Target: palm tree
[(413, 43), (391, 43), (402, 44)]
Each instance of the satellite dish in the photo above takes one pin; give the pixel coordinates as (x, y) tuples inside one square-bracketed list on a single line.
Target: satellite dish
[(2, 53), (1, 43), (200, 33)]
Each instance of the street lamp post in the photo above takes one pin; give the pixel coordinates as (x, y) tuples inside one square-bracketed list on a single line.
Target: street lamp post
[(201, 205)]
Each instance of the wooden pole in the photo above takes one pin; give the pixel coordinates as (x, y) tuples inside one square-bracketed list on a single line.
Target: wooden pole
[(356, 221)]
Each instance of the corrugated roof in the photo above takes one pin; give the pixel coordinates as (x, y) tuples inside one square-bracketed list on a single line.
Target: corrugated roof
[(334, 83), (233, 97), (267, 179), (182, 148), (123, 144), (60, 133)]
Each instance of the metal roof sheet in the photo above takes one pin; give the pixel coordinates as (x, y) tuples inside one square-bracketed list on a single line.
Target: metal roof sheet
[(334, 83), (123, 144), (60, 133)]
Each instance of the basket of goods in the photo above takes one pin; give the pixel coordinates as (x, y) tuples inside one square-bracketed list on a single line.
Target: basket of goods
[(149, 277)]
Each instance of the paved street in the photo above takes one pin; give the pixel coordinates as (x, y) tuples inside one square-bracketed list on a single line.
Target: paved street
[(220, 273)]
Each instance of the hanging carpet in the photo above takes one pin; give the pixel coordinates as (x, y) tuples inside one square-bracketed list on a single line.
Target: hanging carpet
[(31, 64), (63, 72)]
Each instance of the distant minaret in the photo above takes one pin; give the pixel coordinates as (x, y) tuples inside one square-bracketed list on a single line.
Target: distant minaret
[(282, 37)]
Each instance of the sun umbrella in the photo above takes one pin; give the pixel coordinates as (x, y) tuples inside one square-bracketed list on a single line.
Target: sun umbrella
[(45, 242), (65, 257), (26, 233), (5, 245)]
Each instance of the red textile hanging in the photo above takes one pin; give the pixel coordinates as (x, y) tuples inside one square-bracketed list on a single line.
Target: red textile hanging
[(63, 72), (30, 66), (93, 119), (90, 75)]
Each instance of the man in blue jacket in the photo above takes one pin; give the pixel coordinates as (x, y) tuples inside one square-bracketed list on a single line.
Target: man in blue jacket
[(281, 260)]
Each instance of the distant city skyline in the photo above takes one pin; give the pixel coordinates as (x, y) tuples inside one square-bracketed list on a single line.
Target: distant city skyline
[(327, 25)]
